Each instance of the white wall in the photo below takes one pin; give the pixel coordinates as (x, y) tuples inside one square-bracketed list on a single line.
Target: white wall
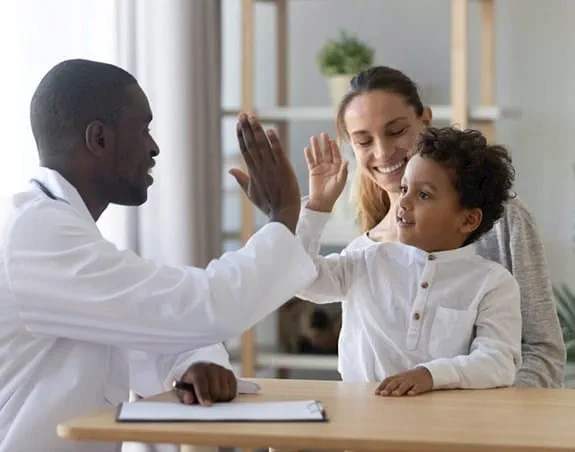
[(535, 72)]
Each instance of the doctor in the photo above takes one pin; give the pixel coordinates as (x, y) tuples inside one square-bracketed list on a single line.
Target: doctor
[(82, 322)]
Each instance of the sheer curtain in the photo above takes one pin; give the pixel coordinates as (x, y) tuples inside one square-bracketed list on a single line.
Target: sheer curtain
[(173, 48), (179, 43), (34, 36)]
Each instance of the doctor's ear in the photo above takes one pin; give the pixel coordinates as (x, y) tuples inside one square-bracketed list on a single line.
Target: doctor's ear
[(97, 137)]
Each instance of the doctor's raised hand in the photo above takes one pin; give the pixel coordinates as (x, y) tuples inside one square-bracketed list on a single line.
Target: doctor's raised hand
[(271, 183), (327, 173)]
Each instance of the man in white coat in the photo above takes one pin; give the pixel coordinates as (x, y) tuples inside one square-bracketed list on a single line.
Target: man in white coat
[(82, 322)]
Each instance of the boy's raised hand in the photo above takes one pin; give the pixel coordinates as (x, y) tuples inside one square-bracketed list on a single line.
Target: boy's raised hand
[(327, 173)]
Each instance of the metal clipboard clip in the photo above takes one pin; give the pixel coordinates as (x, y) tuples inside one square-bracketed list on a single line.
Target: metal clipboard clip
[(316, 407)]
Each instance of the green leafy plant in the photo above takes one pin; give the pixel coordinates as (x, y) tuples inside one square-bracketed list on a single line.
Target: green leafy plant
[(565, 300), (344, 56)]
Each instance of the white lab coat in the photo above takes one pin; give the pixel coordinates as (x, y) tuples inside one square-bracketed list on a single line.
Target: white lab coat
[(81, 322)]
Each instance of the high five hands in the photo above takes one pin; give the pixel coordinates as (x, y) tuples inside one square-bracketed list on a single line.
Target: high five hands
[(327, 173), (271, 183)]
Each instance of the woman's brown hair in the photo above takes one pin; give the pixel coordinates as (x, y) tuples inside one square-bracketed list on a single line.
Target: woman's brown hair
[(372, 202)]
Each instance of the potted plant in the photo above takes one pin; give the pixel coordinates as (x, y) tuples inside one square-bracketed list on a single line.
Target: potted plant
[(340, 59), (565, 300)]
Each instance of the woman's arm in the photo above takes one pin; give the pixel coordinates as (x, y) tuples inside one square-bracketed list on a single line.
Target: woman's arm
[(515, 243)]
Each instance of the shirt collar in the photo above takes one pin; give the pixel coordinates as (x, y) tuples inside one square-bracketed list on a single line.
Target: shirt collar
[(444, 256), (63, 189), (458, 253)]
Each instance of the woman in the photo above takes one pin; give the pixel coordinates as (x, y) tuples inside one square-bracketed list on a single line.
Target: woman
[(381, 117)]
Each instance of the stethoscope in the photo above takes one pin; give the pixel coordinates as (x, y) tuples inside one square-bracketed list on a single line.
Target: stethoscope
[(47, 191)]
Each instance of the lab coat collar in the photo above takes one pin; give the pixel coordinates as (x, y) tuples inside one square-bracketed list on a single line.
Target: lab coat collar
[(61, 188)]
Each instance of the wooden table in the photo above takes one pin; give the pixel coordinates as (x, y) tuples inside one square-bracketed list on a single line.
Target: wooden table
[(489, 420)]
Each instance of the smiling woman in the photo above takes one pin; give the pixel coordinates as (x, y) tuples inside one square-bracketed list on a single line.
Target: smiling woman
[(382, 117)]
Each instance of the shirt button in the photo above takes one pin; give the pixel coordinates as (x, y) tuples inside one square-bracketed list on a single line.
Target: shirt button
[(424, 285), (431, 257), (416, 316)]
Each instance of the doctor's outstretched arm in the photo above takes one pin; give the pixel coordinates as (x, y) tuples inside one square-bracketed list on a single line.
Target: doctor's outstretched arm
[(68, 281)]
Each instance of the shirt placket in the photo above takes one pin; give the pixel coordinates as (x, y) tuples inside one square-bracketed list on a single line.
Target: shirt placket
[(417, 313)]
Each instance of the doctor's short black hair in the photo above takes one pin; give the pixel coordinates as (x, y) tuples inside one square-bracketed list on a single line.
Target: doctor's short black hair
[(483, 174), (70, 96)]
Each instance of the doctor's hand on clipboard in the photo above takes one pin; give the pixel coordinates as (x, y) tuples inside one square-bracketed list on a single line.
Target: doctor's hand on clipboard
[(206, 382), (271, 183)]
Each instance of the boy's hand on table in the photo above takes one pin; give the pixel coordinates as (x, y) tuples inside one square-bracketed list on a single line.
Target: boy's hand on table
[(413, 382)]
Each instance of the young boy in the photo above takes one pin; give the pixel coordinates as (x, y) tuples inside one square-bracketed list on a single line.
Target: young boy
[(427, 313)]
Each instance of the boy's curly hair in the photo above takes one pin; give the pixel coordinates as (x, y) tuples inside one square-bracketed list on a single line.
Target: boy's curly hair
[(483, 174)]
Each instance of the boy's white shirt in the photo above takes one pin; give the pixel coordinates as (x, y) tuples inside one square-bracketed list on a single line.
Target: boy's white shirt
[(453, 312)]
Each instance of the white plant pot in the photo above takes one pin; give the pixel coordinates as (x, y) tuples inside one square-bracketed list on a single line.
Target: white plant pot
[(338, 86)]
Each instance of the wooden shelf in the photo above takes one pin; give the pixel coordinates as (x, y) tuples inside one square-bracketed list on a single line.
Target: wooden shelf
[(440, 113), (274, 359)]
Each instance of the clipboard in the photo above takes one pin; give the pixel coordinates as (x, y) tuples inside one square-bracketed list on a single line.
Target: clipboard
[(289, 411)]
